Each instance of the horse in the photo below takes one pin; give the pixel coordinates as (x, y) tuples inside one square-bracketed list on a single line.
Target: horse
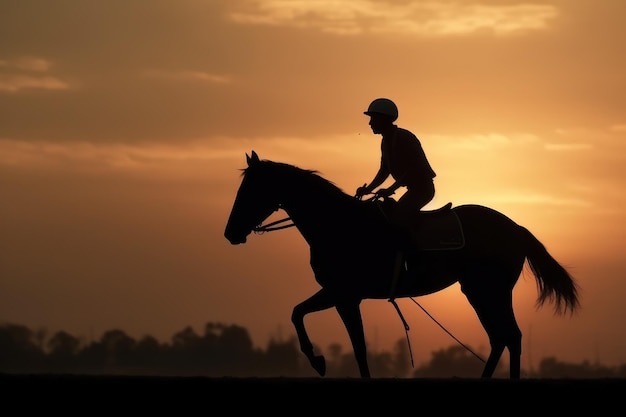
[(353, 254)]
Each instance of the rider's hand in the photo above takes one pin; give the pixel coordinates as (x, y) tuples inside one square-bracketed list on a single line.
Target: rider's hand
[(361, 191), (384, 192)]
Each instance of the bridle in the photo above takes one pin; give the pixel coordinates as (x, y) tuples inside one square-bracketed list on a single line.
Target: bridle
[(260, 229), (270, 227)]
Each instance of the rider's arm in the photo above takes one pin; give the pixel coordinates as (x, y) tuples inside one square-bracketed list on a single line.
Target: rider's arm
[(392, 189), (380, 177)]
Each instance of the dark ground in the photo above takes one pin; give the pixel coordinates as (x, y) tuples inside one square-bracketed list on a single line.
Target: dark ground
[(309, 396)]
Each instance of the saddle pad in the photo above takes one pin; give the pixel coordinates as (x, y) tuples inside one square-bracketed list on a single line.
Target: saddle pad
[(438, 231)]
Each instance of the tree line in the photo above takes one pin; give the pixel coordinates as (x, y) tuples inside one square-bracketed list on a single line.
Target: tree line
[(228, 351)]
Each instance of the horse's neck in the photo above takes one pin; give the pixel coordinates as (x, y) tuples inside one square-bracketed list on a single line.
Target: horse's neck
[(312, 215)]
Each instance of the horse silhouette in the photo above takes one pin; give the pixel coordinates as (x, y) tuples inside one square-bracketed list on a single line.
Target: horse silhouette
[(353, 251)]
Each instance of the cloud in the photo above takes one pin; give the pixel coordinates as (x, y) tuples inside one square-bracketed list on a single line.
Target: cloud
[(618, 128), (15, 82), (539, 199), (86, 156), (200, 76), (412, 18), (25, 73), (27, 64), (609, 140), (483, 142), (568, 146)]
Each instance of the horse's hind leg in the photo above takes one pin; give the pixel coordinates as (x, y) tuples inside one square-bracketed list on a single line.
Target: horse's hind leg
[(495, 312), (493, 359), (503, 332)]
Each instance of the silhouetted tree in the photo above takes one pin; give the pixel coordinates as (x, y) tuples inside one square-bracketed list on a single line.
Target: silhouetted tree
[(19, 349), (185, 350), (401, 359), (148, 355), (282, 358), (382, 364), (117, 349), (62, 351), (334, 356), (185, 339), (455, 361), (236, 351), (227, 350), (551, 368)]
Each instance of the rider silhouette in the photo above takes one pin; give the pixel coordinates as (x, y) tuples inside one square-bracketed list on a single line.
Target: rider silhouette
[(402, 158)]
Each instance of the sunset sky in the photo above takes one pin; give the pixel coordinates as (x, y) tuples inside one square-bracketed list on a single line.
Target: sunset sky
[(124, 125)]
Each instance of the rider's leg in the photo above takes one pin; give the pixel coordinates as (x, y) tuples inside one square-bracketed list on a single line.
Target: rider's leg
[(398, 267), (405, 221), (400, 221), (404, 218)]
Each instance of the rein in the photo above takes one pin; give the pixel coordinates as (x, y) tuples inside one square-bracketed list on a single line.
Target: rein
[(260, 229), (270, 227)]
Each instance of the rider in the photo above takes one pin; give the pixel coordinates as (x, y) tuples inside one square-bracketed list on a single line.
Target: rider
[(402, 157)]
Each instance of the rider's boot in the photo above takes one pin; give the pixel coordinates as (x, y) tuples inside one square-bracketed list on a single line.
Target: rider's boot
[(404, 230)]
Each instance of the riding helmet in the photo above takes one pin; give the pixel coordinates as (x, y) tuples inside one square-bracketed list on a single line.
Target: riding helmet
[(382, 106)]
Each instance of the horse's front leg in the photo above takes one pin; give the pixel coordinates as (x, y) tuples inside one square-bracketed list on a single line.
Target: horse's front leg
[(350, 314), (319, 301)]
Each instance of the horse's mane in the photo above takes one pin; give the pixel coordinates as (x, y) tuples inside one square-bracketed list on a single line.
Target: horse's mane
[(309, 176)]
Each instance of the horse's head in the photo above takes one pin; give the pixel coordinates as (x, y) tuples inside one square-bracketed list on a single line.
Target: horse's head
[(256, 200)]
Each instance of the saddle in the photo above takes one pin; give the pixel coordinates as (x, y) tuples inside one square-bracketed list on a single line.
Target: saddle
[(438, 229)]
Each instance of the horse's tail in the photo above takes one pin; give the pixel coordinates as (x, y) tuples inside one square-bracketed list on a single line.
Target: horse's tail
[(554, 282)]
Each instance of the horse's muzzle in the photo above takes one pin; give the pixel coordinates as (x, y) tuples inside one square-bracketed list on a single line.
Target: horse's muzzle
[(237, 241), (236, 238)]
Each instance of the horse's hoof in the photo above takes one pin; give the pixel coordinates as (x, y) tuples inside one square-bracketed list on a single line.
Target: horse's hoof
[(319, 364)]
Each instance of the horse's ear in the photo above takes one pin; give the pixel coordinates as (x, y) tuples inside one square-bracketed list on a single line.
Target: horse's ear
[(253, 159)]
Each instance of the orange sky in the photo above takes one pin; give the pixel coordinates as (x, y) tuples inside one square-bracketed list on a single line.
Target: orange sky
[(123, 126)]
